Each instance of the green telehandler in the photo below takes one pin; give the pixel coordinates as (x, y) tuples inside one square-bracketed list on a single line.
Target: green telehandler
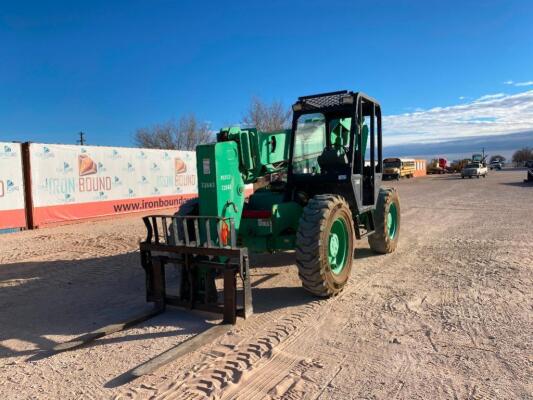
[(324, 192)]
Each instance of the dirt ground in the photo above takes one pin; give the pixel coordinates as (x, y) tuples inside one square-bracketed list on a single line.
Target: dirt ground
[(447, 316)]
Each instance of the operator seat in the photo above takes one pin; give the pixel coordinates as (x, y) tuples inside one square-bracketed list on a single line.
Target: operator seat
[(334, 158)]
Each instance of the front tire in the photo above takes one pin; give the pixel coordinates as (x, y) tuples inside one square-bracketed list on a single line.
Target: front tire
[(387, 222), (325, 245)]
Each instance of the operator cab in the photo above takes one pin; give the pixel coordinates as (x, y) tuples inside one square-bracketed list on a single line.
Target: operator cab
[(336, 142)]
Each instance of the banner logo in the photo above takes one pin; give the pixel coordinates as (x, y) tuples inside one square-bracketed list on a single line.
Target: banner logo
[(45, 153), (7, 152), (59, 185), (181, 178), (10, 186), (87, 183), (101, 196), (129, 167), (86, 165), (114, 155), (68, 198), (65, 169), (180, 166)]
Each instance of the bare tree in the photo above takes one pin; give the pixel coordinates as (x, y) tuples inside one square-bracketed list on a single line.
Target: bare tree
[(523, 155), (185, 134), (267, 117)]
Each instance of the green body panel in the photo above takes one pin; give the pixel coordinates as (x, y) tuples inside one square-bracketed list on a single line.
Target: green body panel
[(220, 184), (241, 156), (223, 170), (277, 231), (260, 153)]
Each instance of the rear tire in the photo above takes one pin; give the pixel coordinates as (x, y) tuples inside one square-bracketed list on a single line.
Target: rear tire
[(325, 245), (387, 220)]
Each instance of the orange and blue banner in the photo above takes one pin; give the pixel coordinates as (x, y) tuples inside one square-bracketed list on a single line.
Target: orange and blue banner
[(12, 211)]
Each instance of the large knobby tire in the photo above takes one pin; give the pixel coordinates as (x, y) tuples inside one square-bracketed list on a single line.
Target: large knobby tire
[(325, 245), (387, 222)]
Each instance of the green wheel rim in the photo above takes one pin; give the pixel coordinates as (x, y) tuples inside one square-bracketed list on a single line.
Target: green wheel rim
[(392, 221), (338, 246)]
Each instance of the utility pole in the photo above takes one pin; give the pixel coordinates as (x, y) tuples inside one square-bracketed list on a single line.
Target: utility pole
[(81, 141)]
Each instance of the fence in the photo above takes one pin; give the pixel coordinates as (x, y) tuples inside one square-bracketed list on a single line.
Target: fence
[(42, 184), (12, 211)]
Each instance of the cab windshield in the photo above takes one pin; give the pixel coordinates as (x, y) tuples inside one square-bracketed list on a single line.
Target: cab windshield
[(392, 164), (310, 140)]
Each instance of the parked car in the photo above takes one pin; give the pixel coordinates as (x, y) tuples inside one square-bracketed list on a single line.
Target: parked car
[(474, 169), (496, 165)]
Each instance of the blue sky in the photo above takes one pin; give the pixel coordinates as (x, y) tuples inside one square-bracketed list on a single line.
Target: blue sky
[(108, 68)]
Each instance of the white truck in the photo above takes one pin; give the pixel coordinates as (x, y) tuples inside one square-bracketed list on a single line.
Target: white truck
[(474, 169)]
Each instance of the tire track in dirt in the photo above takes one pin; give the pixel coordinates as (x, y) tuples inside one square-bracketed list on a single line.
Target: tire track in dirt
[(244, 362), (272, 351), (448, 316)]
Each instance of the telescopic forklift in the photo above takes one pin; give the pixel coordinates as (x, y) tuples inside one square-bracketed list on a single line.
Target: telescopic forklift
[(327, 194)]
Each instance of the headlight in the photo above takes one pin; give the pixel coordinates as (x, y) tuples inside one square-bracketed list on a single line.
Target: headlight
[(347, 99)]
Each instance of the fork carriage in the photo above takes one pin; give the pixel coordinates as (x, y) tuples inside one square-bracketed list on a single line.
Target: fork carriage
[(192, 243)]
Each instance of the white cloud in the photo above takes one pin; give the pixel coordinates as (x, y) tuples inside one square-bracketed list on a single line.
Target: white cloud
[(491, 96), (527, 83), (493, 114), (462, 97), (518, 84)]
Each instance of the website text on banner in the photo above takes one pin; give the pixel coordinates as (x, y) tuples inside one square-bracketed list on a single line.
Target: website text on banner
[(12, 213), (76, 182)]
